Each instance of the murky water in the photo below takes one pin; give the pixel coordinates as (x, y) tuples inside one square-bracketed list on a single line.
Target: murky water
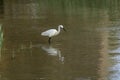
[(89, 50)]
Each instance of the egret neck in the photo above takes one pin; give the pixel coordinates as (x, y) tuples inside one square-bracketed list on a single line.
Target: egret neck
[(59, 28)]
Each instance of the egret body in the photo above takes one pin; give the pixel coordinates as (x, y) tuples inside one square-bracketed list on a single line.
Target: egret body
[(52, 32)]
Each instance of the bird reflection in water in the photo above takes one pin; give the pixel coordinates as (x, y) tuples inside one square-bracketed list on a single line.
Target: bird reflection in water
[(50, 50), (53, 52)]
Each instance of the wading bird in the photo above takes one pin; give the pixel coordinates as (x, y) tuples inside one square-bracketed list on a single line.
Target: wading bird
[(52, 32)]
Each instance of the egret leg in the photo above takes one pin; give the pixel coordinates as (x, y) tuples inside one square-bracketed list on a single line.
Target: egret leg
[(49, 40)]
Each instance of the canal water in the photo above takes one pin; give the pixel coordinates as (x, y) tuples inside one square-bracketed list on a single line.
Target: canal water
[(88, 50)]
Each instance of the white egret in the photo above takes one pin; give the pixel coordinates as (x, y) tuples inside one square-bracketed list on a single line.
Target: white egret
[(52, 32)]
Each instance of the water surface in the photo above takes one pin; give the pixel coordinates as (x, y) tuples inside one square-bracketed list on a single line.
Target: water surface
[(89, 50)]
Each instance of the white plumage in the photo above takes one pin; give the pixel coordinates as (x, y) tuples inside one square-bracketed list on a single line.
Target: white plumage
[(49, 33), (52, 32)]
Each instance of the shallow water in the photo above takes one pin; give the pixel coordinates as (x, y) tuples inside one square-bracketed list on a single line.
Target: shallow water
[(88, 50)]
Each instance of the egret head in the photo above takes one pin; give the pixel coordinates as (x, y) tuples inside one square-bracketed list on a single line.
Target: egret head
[(61, 26)]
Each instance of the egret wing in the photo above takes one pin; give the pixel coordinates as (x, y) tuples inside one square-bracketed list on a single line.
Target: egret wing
[(49, 33)]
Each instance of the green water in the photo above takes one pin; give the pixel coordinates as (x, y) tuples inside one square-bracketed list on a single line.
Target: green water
[(89, 50)]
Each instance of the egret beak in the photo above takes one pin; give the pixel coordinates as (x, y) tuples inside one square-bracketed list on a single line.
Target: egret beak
[(64, 29)]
